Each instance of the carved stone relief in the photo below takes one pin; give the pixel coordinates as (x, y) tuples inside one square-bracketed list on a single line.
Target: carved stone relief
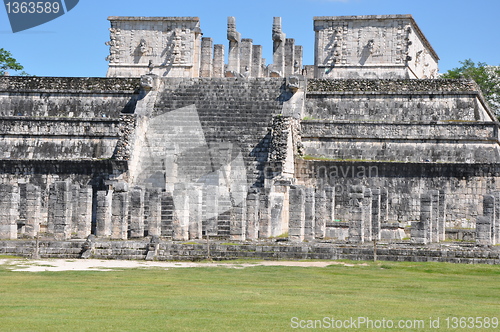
[(114, 46), (335, 45), (178, 47)]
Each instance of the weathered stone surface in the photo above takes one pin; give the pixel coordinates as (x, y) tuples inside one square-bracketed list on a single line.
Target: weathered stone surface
[(119, 217), (358, 217), (165, 46), (184, 152), (356, 46), (136, 213), (9, 211), (60, 210), (297, 213), (104, 213)]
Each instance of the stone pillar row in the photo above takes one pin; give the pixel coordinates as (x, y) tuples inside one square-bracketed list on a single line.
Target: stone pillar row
[(309, 211), (431, 227), (245, 59), (72, 211), (65, 211)]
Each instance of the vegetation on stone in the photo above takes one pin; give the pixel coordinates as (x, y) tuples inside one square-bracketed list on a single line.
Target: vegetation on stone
[(486, 76)]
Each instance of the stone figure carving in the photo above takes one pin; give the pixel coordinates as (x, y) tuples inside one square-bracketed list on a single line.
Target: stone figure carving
[(232, 34), (113, 45), (278, 35), (370, 46), (234, 38), (143, 47), (293, 83), (333, 47), (147, 82), (177, 48)]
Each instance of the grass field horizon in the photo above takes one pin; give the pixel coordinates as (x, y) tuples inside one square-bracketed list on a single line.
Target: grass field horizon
[(257, 298)]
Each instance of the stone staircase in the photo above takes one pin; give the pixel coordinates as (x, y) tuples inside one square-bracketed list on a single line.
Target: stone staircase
[(198, 132), (227, 110)]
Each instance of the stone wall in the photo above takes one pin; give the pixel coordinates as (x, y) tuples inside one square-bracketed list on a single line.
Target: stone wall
[(166, 250), (173, 47), (165, 46), (390, 101), (463, 184), (58, 138), (385, 46), (67, 96)]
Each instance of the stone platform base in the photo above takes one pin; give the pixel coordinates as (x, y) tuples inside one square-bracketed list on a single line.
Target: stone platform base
[(194, 251)]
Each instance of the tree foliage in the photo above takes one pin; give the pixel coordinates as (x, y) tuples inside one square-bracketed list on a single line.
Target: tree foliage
[(8, 62), (487, 77)]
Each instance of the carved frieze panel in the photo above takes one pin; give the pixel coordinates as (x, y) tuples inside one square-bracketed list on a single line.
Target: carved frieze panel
[(162, 43), (335, 44)]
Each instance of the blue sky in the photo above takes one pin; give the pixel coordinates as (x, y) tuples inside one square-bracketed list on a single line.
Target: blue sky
[(73, 44)]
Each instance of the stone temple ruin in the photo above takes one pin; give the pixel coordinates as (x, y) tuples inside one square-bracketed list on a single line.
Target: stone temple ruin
[(175, 144)]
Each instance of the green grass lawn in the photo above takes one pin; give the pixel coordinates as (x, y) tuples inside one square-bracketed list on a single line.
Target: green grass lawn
[(250, 299)]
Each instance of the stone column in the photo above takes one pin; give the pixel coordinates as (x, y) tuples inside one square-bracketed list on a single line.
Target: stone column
[(367, 213), (195, 193), (484, 229), (357, 222), (33, 206), (211, 205), (256, 61), (171, 172), (154, 218), (297, 64), (252, 231), (60, 210), (435, 222), (496, 223), (442, 216), (246, 57), (103, 213), (234, 37), (384, 205), (330, 204), (421, 231), (119, 215), (309, 208), (277, 200), (278, 67), (218, 62), (238, 217), (9, 211), (321, 215), (376, 214), (297, 214), (180, 222), (136, 213), (264, 214), (289, 56), (84, 212), (206, 66)]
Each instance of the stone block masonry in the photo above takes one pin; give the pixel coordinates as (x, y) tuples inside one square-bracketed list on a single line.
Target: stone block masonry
[(9, 211), (173, 47), (265, 250), (369, 148)]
